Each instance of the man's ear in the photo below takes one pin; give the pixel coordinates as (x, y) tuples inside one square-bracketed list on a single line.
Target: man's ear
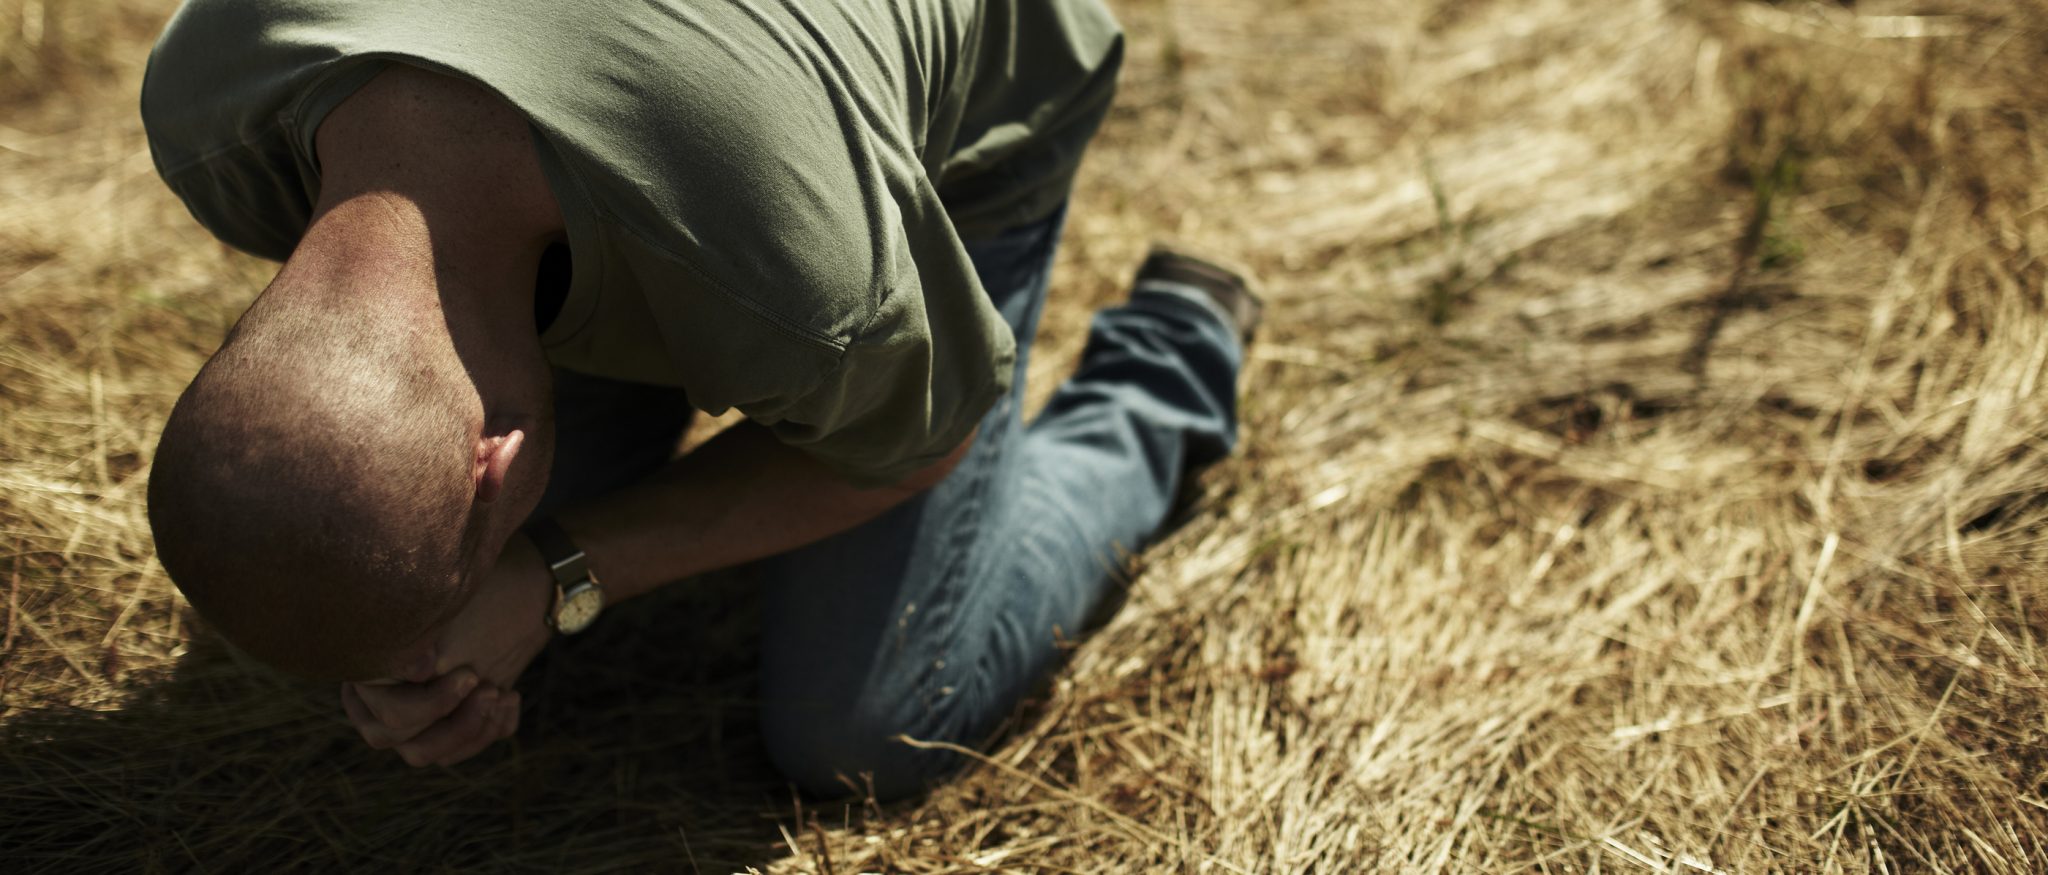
[(494, 455)]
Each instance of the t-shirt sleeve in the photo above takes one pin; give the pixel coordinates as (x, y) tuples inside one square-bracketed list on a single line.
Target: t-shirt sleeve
[(909, 390), (246, 203)]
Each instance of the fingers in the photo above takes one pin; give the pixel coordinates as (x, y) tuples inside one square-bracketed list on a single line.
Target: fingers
[(508, 722), (442, 723), (397, 712), (359, 716), (484, 717), (508, 716)]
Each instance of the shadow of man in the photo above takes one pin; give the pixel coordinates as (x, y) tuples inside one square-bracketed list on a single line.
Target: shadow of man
[(637, 752)]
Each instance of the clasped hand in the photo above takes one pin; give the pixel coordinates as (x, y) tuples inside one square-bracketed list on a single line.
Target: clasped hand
[(466, 702)]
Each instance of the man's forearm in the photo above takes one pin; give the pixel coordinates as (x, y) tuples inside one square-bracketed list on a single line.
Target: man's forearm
[(741, 496)]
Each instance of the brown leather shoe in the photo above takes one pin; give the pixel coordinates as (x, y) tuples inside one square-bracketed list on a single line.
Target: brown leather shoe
[(1227, 288)]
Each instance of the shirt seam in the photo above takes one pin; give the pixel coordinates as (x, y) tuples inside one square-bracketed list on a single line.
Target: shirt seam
[(284, 120), (207, 157)]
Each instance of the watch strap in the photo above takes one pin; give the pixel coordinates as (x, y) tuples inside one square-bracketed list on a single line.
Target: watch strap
[(564, 559)]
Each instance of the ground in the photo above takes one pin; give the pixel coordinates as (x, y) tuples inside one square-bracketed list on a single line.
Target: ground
[(1643, 469)]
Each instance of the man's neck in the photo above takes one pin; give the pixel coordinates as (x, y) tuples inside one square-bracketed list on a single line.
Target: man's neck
[(464, 156), (433, 202)]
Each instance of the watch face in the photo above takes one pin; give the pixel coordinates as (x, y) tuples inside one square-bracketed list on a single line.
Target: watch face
[(579, 608)]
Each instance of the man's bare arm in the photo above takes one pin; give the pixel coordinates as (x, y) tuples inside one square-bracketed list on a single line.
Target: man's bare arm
[(740, 496)]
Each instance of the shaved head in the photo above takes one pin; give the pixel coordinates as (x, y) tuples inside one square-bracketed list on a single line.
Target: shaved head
[(312, 492), (378, 424)]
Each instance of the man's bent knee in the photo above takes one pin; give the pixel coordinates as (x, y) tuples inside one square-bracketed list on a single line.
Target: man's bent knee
[(838, 751)]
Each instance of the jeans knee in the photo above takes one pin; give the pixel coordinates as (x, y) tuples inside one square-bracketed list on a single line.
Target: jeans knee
[(851, 749)]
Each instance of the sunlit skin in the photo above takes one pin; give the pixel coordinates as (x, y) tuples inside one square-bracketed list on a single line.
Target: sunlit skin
[(424, 171)]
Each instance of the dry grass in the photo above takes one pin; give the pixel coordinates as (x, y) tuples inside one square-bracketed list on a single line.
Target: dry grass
[(1644, 470)]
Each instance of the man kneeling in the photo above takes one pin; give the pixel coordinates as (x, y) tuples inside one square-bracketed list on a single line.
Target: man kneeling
[(524, 242)]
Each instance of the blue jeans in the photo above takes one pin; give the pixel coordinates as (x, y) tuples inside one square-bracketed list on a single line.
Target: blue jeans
[(936, 618)]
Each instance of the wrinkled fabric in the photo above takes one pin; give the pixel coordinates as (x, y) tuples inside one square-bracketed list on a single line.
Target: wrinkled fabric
[(936, 618), (766, 200)]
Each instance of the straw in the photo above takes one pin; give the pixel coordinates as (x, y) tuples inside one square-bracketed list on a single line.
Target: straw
[(1642, 471)]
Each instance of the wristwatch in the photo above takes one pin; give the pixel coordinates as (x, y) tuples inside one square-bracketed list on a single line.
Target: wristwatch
[(578, 597)]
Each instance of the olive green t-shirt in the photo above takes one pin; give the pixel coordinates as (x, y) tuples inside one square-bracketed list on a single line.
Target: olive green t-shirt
[(765, 199)]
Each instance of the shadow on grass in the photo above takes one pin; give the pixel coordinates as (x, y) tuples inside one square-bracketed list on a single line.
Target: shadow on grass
[(637, 752)]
